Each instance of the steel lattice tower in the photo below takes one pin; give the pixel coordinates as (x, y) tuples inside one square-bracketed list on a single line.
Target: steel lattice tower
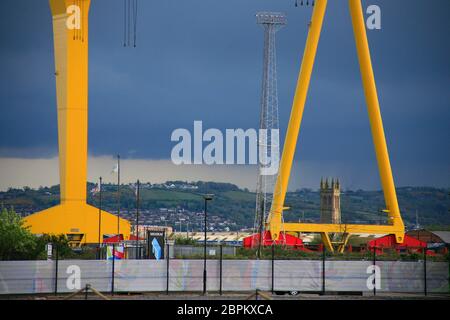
[(271, 22)]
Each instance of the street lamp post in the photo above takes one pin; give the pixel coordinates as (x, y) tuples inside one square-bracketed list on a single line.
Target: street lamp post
[(206, 197), (118, 198), (137, 219)]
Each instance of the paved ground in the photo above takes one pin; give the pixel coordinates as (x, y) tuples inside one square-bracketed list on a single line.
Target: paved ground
[(235, 296)]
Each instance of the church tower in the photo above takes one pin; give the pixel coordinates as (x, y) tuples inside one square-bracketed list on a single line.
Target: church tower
[(330, 201)]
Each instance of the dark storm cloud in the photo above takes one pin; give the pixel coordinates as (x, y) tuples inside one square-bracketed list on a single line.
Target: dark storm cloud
[(201, 60)]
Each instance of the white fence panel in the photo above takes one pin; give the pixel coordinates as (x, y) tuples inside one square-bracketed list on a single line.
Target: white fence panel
[(246, 275), (30, 277), (299, 275)]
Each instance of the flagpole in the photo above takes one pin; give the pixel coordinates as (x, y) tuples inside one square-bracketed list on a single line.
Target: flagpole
[(118, 197), (100, 216), (137, 219)]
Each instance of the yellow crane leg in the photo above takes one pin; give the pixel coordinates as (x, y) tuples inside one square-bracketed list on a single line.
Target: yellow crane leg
[(327, 241), (276, 211), (376, 123), (73, 216), (345, 238)]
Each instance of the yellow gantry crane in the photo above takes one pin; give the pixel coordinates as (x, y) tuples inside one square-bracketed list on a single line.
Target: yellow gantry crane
[(73, 216), (274, 221)]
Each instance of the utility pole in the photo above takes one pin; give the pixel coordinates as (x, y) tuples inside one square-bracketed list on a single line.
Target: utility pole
[(100, 215), (137, 218), (207, 197), (118, 197)]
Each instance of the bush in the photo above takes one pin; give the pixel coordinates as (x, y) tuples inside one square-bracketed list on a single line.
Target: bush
[(16, 241), (183, 241)]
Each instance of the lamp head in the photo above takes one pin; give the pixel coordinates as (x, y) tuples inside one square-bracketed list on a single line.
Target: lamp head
[(208, 196)]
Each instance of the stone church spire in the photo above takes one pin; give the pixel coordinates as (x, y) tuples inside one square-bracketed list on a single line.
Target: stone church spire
[(330, 203)]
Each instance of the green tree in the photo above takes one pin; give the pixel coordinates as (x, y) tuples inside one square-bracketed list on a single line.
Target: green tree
[(59, 242), (16, 241)]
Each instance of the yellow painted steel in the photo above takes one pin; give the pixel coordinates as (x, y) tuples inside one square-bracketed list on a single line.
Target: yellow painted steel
[(281, 185), (395, 224), (376, 123), (326, 241), (73, 215), (343, 244)]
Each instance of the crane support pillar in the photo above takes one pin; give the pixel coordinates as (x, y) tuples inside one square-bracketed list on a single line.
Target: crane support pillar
[(71, 72), (73, 216)]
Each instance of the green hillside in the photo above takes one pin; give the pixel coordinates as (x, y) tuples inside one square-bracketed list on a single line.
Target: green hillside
[(237, 205)]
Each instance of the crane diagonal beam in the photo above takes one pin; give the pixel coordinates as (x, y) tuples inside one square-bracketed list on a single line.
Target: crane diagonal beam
[(282, 182)]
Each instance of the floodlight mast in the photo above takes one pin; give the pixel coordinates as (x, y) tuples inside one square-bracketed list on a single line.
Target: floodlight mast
[(273, 18), (268, 143)]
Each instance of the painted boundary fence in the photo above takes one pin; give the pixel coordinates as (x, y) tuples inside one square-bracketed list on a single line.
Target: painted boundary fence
[(174, 275)]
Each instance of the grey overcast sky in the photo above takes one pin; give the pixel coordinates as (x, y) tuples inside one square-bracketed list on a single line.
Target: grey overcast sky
[(202, 60)]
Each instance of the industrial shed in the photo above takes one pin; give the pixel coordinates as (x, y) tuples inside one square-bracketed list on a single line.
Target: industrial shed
[(442, 237), (410, 244)]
